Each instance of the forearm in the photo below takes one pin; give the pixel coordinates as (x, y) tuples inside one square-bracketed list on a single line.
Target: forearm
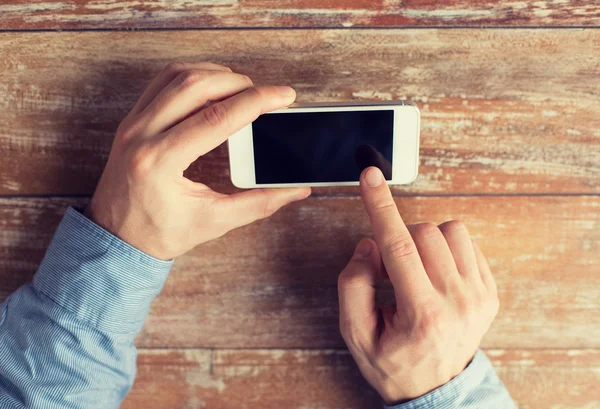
[(50, 359), (478, 386), (66, 340)]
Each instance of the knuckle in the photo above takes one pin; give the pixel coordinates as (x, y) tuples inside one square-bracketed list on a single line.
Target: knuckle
[(191, 78), (480, 295), (400, 247), (349, 278), (269, 210), (254, 93), (430, 320), (174, 67), (465, 305), (128, 130), (142, 162), (384, 205), (345, 279), (124, 130), (257, 98), (453, 226), (425, 230), (249, 81), (214, 65), (216, 114), (353, 336)]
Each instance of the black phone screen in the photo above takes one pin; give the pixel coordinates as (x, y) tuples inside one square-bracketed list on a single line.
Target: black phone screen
[(312, 147)]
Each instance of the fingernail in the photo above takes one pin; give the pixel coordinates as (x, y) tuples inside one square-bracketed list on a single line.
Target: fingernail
[(363, 250), (285, 91), (374, 177)]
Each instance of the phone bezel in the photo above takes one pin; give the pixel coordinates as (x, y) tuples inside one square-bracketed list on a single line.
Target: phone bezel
[(405, 144)]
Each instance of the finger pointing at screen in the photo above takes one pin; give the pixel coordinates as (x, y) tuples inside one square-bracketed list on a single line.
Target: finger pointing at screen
[(445, 299)]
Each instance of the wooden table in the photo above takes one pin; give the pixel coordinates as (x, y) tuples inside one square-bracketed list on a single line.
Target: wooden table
[(510, 98)]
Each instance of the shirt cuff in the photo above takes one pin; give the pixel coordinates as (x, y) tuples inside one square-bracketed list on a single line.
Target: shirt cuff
[(98, 277), (453, 392)]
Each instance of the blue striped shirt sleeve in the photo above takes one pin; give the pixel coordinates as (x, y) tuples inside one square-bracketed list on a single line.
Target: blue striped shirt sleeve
[(66, 339), (478, 386)]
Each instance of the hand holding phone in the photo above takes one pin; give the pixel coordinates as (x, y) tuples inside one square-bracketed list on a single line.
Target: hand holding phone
[(327, 145), (446, 299), (143, 197)]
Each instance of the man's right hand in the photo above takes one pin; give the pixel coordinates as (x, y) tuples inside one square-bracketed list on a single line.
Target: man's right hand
[(446, 299)]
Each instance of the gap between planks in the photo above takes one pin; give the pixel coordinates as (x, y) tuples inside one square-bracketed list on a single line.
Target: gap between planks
[(254, 28)]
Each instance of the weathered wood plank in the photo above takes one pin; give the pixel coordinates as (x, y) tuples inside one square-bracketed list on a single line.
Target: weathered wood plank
[(491, 124), (26, 228), (565, 379), (61, 14), (273, 284)]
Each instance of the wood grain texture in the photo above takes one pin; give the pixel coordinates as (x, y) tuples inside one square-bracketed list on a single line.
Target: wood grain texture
[(273, 284), (565, 379), (490, 124), (61, 14)]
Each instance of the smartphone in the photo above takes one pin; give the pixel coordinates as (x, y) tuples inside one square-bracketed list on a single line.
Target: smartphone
[(327, 144)]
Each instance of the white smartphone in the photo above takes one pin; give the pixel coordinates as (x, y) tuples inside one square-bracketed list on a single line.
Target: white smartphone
[(327, 144)]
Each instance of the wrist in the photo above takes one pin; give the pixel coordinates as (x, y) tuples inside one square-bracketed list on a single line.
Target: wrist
[(103, 218), (395, 397), (417, 390), (451, 394), (421, 385)]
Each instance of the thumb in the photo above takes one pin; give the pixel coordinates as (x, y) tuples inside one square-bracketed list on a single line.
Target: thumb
[(246, 207), (356, 291)]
